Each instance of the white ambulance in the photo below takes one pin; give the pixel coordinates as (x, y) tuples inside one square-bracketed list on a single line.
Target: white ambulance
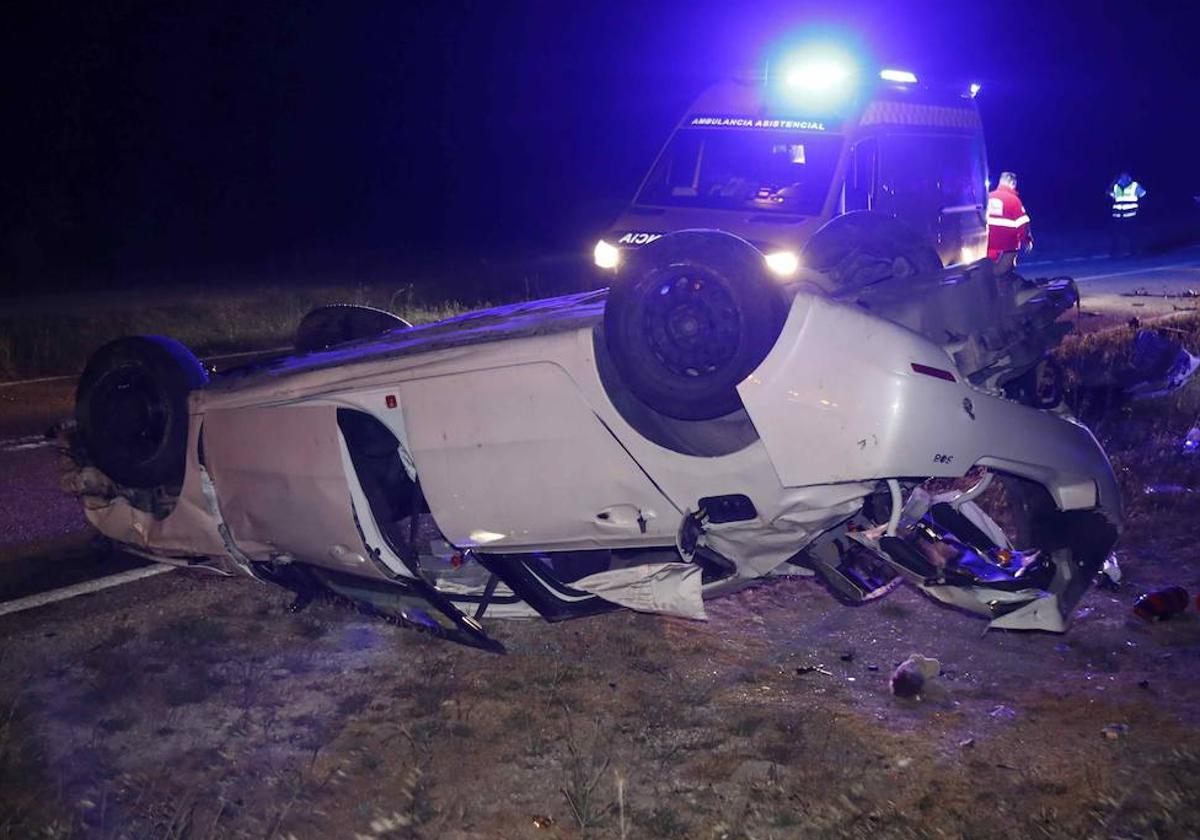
[(775, 159)]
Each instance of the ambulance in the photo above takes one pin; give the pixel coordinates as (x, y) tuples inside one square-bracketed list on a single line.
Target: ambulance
[(774, 159)]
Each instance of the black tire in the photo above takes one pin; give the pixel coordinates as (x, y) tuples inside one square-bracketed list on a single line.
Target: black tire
[(132, 409), (688, 317), (863, 248), (341, 323)]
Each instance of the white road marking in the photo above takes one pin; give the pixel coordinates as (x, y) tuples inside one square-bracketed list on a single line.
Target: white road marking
[(223, 357), (1040, 263), (27, 442), (1131, 272), (86, 588), (16, 382)]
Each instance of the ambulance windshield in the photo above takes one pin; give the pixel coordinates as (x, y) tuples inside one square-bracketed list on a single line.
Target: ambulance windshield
[(756, 170)]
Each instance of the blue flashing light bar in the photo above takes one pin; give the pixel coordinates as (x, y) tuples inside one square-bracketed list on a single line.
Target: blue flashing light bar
[(903, 77), (975, 88)]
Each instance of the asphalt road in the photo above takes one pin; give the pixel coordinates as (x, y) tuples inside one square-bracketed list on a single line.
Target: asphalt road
[(1145, 287), (45, 541)]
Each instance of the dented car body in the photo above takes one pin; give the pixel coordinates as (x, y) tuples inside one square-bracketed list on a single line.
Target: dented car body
[(504, 464)]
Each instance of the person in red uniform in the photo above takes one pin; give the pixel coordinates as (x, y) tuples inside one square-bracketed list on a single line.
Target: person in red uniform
[(1007, 221)]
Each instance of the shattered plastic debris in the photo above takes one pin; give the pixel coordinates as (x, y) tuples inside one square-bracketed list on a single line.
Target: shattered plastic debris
[(1161, 604), (1110, 572), (1113, 731), (912, 675), (1154, 364), (1003, 712), (1167, 490), (1191, 441), (1159, 364)]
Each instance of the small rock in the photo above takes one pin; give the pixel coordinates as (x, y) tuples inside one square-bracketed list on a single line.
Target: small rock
[(872, 667), (1113, 731), (910, 677), (903, 762), (966, 743), (848, 656)]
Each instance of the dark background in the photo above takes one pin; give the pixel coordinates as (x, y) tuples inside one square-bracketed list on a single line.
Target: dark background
[(143, 138)]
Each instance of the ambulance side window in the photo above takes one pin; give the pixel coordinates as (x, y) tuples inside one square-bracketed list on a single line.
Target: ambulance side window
[(927, 173), (860, 177)]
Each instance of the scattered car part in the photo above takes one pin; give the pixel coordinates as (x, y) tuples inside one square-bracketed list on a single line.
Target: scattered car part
[(1161, 604)]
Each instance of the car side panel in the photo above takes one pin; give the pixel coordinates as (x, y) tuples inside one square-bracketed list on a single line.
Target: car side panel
[(839, 399), (281, 483), (512, 457)]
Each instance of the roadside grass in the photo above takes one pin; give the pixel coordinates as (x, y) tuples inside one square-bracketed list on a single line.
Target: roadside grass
[(45, 339), (1143, 438)]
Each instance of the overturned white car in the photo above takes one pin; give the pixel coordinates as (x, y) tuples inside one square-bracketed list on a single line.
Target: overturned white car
[(697, 426)]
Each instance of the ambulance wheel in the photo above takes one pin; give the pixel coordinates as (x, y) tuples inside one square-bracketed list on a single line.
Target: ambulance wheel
[(132, 409), (863, 247), (340, 323), (688, 317)]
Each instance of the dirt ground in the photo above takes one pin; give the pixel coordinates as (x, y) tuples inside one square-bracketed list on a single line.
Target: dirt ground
[(197, 707), (190, 706)]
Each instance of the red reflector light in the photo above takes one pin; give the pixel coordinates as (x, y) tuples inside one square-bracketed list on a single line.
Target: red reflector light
[(936, 373), (390, 400)]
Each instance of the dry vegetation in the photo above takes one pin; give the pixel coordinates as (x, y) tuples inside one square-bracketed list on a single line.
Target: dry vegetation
[(58, 338)]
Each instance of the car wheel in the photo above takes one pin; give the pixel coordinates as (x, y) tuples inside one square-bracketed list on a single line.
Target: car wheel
[(862, 248), (132, 409), (688, 317), (340, 323)]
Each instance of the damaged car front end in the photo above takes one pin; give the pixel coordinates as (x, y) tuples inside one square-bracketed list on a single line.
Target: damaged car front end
[(694, 428)]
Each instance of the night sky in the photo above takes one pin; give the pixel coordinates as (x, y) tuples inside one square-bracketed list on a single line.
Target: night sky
[(150, 137)]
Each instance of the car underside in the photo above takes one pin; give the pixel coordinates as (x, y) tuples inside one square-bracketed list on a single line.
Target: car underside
[(695, 427)]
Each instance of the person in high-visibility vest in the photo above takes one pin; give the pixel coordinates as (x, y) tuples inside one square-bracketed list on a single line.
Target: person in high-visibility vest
[(1007, 221), (1125, 194)]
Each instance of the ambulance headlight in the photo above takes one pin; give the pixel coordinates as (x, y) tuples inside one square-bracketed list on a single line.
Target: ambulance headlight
[(783, 263), (606, 255)]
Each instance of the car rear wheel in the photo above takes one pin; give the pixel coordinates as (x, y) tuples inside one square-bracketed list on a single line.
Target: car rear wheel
[(132, 409), (340, 323), (863, 248), (688, 317)]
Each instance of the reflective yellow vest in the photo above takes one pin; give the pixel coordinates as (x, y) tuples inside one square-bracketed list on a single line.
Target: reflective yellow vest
[(1125, 200)]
